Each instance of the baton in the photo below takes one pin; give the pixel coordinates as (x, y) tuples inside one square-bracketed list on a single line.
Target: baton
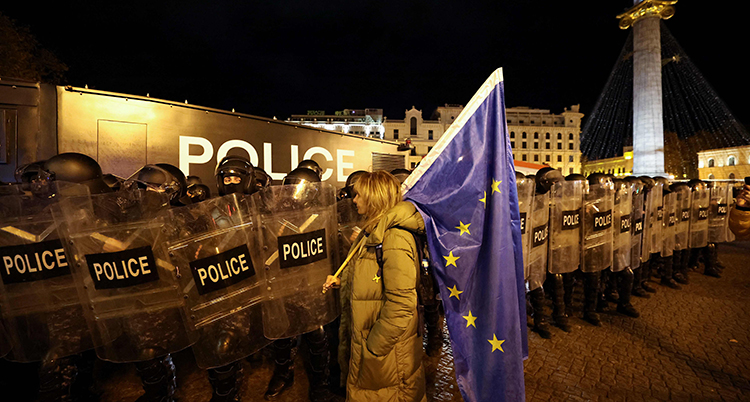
[(346, 261)]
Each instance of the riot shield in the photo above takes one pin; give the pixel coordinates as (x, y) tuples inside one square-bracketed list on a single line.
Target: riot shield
[(40, 305), (539, 227), (598, 202), (699, 205), (525, 190), (669, 221), (622, 227), (209, 245), (566, 198), (646, 226), (656, 216), (682, 211), (730, 201), (299, 250), (717, 213), (349, 224), (636, 225), (125, 280)]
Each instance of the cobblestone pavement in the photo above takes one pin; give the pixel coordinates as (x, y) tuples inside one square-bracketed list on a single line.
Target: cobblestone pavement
[(688, 345)]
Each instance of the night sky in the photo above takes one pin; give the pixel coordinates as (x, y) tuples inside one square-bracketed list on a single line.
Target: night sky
[(286, 57)]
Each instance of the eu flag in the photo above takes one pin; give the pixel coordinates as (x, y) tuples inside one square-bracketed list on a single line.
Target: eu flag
[(465, 189)]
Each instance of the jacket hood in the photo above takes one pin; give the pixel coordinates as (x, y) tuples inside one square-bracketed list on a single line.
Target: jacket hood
[(404, 215)]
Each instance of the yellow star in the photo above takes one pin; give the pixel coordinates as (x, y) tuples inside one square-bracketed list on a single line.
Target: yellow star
[(484, 199), (496, 343), (450, 259), (455, 292), (496, 185), (470, 320), (376, 279), (463, 228)]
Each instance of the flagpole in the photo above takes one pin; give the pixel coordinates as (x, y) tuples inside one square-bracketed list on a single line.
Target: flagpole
[(495, 78)]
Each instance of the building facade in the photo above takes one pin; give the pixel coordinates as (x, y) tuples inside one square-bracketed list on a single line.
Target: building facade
[(421, 134), (620, 166), (539, 136), (365, 122), (724, 163)]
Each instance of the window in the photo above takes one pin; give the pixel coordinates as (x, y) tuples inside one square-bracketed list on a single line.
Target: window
[(546, 158), (559, 145), (536, 158), (546, 136), (413, 151), (536, 135), (711, 162), (430, 135), (559, 136), (395, 133), (710, 176), (546, 145), (731, 176), (512, 144), (536, 145), (413, 128), (731, 161), (523, 135), (523, 158), (570, 145), (559, 158), (523, 145), (570, 171), (570, 136), (570, 158), (512, 134)]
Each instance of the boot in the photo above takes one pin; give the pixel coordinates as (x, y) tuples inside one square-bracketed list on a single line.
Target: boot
[(540, 321), (646, 274), (679, 266), (226, 382), (666, 273), (637, 289), (434, 329), (625, 286), (317, 346), (609, 280), (557, 290), (709, 258), (84, 387), (56, 377), (591, 297), (158, 379), (283, 373), (569, 281)]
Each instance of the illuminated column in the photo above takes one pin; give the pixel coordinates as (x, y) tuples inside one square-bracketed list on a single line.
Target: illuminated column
[(648, 123)]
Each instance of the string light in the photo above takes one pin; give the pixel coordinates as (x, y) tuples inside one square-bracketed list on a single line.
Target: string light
[(695, 118)]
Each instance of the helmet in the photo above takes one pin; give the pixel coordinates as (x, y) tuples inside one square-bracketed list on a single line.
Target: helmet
[(235, 166), (27, 172), (114, 182), (401, 174), (519, 176), (344, 192), (546, 177), (198, 192), (679, 186), (648, 183), (633, 179), (262, 179), (312, 165), (162, 178), (696, 184), (664, 182), (303, 191), (598, 178), (74, 168), (353, 177), (193, 180), (574, 177)]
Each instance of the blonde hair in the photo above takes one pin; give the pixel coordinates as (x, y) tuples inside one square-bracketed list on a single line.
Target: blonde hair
[(380, 191)]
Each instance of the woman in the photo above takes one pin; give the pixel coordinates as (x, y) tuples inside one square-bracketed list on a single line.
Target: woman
[(380, 347)]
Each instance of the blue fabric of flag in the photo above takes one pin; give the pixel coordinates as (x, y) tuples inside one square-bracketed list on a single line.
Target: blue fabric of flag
[(467, 197)]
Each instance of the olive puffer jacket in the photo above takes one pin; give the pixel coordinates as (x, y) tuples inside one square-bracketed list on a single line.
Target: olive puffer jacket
[(739, 223), (379, 344)]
